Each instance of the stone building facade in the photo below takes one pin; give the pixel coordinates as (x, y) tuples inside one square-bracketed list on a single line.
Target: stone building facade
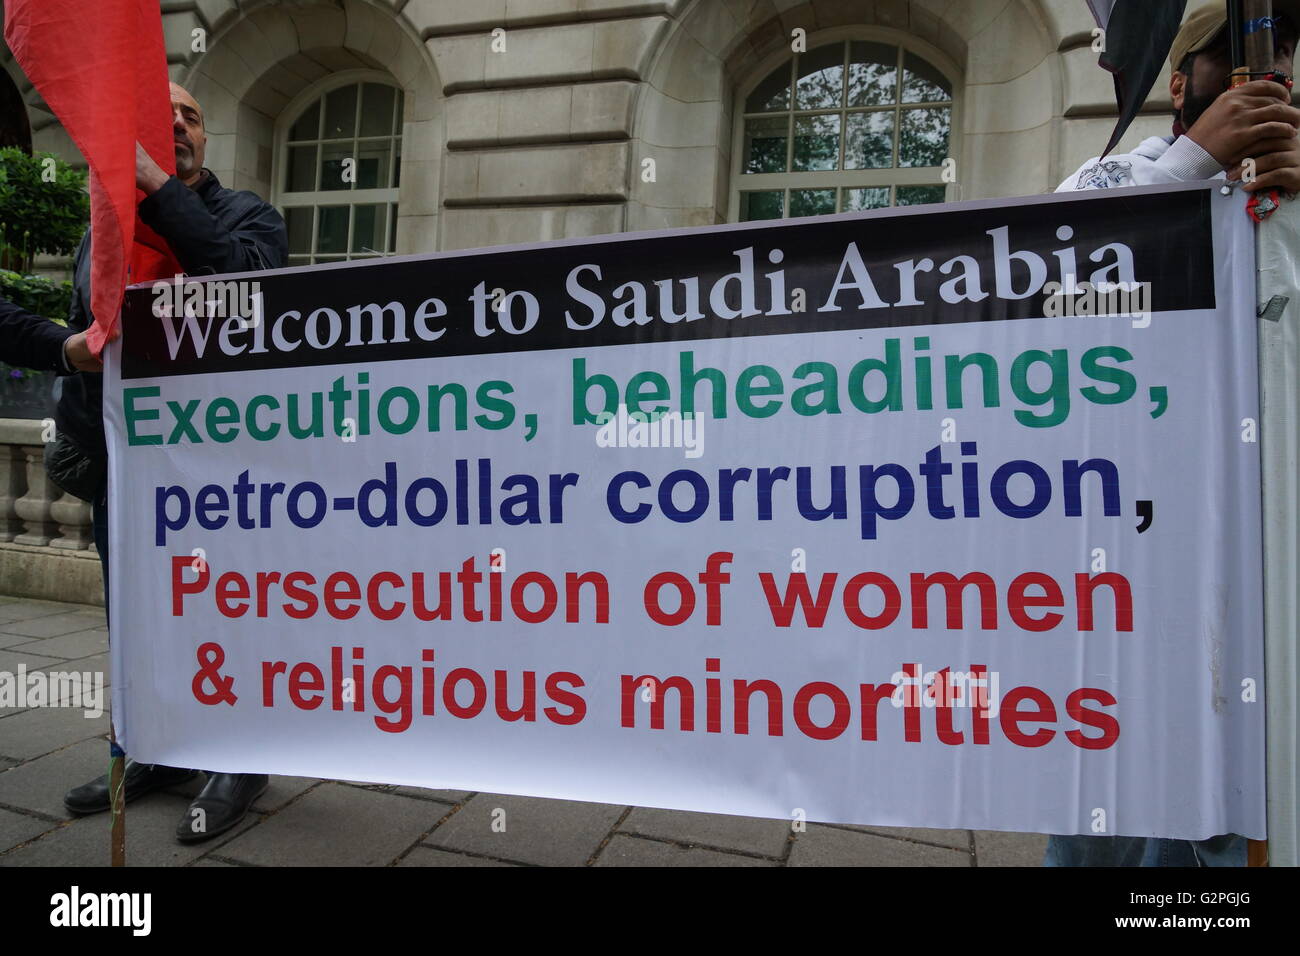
[(411, 126), (524, 120)]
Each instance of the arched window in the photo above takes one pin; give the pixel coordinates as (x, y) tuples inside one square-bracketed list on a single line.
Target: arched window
[(15, 130), (338, 168), (847, 125)]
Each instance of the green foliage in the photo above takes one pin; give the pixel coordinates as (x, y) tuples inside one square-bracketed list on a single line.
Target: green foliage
[(44, 207), (38, 294)]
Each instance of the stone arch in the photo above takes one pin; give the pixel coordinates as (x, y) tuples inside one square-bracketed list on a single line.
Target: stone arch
[(267, 56), (45, 133), (15, 127), (1003, 51)]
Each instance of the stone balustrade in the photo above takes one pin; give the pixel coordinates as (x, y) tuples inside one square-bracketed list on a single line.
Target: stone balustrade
[(47, 549)]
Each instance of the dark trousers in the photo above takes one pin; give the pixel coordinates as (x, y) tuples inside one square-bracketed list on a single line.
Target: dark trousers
[(99, 524)]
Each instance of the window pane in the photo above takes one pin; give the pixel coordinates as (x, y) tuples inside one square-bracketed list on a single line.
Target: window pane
[(331, 165), (873, 197), (397, 164), (399, 113), (761, 205), (820, 83), (392, 228), (772, 94), (368, 228), (811, 202), (765, 144), (340, 113), (922, 83), (869, 140), (376, 110), (320, 259), (817, 142), (332, 234), (919, 195), (300, 260), (302, 169), (298, 219), (873, 74), (923, 138), (372, 164), (308, 125)]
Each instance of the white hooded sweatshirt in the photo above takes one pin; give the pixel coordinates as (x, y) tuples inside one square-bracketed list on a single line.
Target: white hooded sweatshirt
[(1156, 160)]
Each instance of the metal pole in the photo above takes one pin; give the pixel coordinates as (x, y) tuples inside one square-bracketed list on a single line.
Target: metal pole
[(1255, 33), (1237, 41)]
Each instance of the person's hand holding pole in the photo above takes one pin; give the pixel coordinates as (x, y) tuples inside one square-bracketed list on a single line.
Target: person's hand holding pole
[(1254, 120)]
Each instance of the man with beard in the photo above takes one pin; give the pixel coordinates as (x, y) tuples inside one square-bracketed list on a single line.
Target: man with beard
[(210, 230), (1216, 129)]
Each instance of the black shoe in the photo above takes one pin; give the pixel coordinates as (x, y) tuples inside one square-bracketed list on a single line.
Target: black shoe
[(138, 778), (221, 805)]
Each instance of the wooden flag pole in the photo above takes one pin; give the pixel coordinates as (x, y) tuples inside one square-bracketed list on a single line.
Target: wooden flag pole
[(116, 800)]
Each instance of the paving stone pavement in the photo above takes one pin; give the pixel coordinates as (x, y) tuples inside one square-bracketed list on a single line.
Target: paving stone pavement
[(307, 822)]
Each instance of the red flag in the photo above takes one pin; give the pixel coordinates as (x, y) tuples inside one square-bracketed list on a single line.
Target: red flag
[(100, 65)]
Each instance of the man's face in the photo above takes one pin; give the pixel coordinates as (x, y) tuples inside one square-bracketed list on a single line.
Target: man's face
[(1212, 66), (187, 130)]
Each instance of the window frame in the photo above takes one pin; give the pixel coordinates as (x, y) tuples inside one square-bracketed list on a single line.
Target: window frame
[(843, 178), (315, 199)]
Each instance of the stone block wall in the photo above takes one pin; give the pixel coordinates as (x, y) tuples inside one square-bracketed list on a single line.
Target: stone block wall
[(530, 120)]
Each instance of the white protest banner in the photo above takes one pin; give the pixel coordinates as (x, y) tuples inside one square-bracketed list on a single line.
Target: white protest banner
[(919, 539)]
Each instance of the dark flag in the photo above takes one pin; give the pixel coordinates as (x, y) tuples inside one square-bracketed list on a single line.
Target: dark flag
[(1138, 35)]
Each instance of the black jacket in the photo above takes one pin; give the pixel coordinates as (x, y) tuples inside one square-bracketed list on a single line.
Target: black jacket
[(211, 230), (31, 341)]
